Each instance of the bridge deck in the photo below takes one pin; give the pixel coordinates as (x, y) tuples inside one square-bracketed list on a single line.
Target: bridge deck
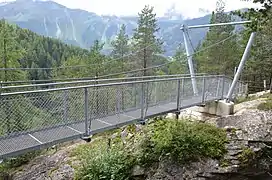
[(45, 138)]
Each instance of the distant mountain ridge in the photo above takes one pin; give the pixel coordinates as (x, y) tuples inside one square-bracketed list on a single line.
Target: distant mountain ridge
[(81, 28)]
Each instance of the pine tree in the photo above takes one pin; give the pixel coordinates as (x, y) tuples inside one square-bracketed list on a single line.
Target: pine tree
[(10, 53), (180, 64), (259, 16), (258, 67), (121, 49), (81, 65), (145, 42), (96, 58), (224, 57)]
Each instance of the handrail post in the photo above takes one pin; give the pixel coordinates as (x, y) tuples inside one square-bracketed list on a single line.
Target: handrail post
[(182, 88), (178, 95), (270, 87), (155, 97), (1, 87), (203, 90), (142, 104), (135, 95), (96, 98), (178, 100), (86, 115), (223, 87)]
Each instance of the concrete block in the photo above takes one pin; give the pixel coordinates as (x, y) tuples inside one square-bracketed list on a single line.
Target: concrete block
[(224, 108), (209, 108), (219, 108)]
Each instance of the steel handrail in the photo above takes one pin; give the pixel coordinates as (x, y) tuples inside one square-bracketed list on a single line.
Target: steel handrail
[(104, 85)]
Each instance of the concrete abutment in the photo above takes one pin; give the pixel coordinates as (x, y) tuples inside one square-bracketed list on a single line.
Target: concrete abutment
[(216, 108)]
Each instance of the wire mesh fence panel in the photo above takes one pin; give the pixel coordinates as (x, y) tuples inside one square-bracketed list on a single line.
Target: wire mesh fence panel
[(73, 106), (102, 101), (152, 93), (227, 84), (130, 97), (200, 82), (222, 87), (158, 96), (187, 88), (240, 88), (112, 104), (188, 96), (161, 92), (212, 88), (31, 112)]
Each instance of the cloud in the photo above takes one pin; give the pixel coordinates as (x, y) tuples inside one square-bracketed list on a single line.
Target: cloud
[(189, 8)]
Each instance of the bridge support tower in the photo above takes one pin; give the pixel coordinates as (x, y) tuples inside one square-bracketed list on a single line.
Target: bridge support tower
[(226, 106)]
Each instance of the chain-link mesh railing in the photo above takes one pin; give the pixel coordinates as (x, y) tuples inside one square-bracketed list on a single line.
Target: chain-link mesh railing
[(43, 114)]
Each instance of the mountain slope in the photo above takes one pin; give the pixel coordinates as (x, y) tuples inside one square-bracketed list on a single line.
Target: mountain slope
[(25, 49), (81, 28)]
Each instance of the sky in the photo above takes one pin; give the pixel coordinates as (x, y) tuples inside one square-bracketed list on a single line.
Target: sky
[(189, 8)]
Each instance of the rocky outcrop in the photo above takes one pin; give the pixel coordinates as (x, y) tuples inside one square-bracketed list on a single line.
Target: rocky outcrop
[(248, 150), (57, 166), (246, 159)]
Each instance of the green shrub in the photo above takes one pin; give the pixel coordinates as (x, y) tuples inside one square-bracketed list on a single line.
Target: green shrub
[(265, 106), (251, 98), (101, 162), (182, 141), (247, 157), (267, 95), (242, 99)]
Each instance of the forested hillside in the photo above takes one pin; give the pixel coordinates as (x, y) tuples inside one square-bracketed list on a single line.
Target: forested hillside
[(27, 56), (21, 48)]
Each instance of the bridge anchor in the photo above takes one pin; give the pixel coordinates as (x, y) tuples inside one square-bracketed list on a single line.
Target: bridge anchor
[(87, 138), (177, 115), (142, 122), (218, 108)]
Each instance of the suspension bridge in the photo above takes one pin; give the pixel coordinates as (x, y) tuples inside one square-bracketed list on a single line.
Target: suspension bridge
[(41, 118), (36, 118)]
